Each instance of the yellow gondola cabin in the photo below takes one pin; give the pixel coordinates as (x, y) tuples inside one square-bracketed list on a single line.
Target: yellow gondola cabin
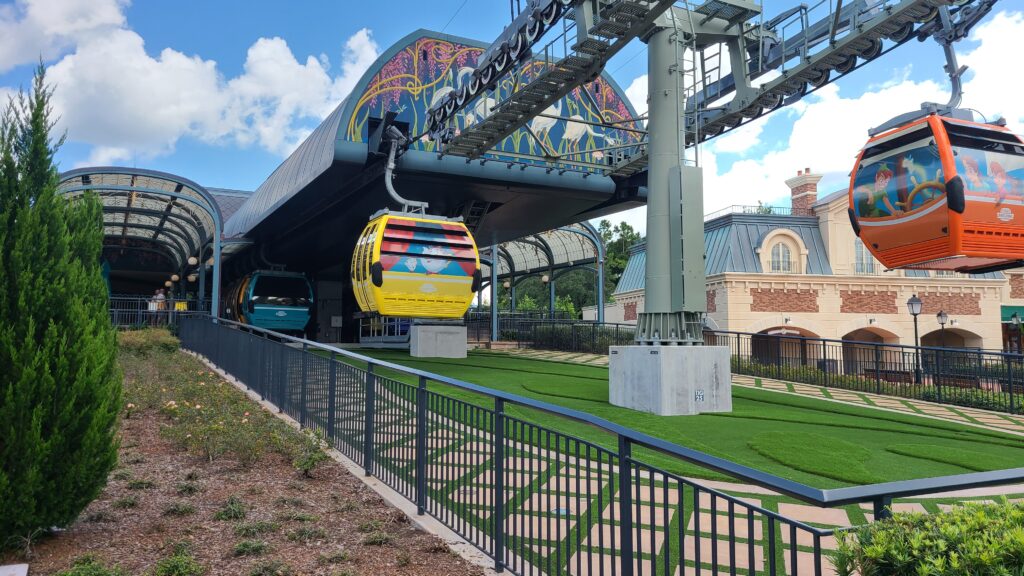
[(415, 266)]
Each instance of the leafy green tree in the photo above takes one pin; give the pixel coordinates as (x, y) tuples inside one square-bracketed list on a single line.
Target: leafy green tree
[(60, 388), (565, 304)]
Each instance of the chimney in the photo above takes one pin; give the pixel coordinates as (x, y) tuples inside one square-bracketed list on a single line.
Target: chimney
[(803, 189)]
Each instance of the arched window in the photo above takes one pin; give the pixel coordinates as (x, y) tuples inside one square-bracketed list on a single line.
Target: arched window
[(864, 262), (782, 260)]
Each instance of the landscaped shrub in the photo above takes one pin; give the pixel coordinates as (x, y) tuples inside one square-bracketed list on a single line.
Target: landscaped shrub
[(60, 388), (972, 398), (147, 340), (89, 566), (980, 540)]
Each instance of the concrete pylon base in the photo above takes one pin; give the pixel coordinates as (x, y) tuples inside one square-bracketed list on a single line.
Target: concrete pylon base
[(437, 341), (670, 380)]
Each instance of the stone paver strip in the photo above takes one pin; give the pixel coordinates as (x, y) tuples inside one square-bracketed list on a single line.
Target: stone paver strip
[(740, 524), (814, 515)]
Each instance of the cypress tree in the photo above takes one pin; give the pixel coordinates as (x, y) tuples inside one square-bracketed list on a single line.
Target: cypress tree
[(60, 387)]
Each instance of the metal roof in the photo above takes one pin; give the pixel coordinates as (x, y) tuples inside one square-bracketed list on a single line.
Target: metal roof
[(311, 159), (635, 274), (228, 200), (732, 242), (171, 212), (565, 247)]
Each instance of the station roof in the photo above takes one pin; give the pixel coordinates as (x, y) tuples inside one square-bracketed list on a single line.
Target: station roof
[(407, 79), (559, 249), (171, 213)]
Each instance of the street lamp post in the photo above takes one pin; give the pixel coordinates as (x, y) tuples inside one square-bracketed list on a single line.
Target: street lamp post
[(1015, 321), (942, 317), (914, 306)]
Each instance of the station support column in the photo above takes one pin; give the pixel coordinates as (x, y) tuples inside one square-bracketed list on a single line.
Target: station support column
[(668, 371)]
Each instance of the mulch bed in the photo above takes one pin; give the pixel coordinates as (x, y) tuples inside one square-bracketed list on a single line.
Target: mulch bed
[(339, 512)]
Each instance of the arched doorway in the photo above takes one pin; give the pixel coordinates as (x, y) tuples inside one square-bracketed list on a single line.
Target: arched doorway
[(785, 346), (865, 351), (952, 338)]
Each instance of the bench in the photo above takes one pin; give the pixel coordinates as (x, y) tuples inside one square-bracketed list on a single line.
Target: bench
[(905, 376), (957, 381)]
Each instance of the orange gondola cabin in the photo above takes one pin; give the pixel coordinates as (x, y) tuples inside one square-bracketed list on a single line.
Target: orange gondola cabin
[(941, 194)]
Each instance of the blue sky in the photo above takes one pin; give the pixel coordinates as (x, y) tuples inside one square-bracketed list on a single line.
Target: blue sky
[(221, 91)]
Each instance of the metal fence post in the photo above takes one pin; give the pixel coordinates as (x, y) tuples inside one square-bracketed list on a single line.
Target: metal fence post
[(882, 508), (938, 372), (499, 484), (878, 370), (302, 393), (421, 446), (371, 396), (332, 396), (1009, 381), (778, 357), (824, 363), (625, 506)]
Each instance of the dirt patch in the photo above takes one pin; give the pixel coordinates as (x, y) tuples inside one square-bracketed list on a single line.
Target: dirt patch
[(163, 499)]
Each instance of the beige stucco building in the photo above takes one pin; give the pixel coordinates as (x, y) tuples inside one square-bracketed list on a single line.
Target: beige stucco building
[(801, 270)]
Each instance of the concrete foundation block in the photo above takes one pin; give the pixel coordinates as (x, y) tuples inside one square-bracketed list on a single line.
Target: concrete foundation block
[(437, 341), (670, 380)]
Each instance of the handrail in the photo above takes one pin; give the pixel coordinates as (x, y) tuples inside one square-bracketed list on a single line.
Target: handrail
[(830, 497)]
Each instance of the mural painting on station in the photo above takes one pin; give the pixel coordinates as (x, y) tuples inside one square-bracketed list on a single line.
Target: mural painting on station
[(424, 72)]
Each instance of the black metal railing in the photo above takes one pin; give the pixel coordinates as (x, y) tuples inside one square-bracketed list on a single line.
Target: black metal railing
[(569, 336), (130, 311), (478, 323), (536, 499), (964, 377)]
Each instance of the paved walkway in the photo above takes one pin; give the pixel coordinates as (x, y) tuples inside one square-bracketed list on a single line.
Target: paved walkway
[(971, 416)]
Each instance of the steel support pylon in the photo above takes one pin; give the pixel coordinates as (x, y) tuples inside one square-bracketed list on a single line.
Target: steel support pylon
[(674, 302)]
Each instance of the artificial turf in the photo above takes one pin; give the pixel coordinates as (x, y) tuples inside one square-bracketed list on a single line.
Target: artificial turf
[(816, 442)]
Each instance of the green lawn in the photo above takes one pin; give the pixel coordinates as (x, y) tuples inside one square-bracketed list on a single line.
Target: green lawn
[(820, 443)]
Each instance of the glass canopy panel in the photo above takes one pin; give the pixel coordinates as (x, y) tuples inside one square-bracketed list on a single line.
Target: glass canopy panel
[(569, 246), (161, 208)]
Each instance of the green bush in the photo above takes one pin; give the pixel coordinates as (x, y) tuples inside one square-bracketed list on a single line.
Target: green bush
[(310, 453), (980, 540), (233, 509), (147, 340), (971, 398), (250, 548), (60, 386), (181, 563), (88, 566)]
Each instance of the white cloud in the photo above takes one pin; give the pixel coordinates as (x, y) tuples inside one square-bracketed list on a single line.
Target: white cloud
[(993, 83), (637, 94), (30, 29), (126, 103)]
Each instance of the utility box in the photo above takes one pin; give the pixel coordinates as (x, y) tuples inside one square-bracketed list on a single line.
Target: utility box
[(670, 380)]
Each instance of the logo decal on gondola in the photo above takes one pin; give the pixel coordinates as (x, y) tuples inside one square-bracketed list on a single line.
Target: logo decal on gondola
[(1004, 214), (282, 313)]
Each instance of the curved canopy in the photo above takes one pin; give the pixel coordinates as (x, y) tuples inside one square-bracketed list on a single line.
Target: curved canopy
[(546, 252), (172, 213)]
